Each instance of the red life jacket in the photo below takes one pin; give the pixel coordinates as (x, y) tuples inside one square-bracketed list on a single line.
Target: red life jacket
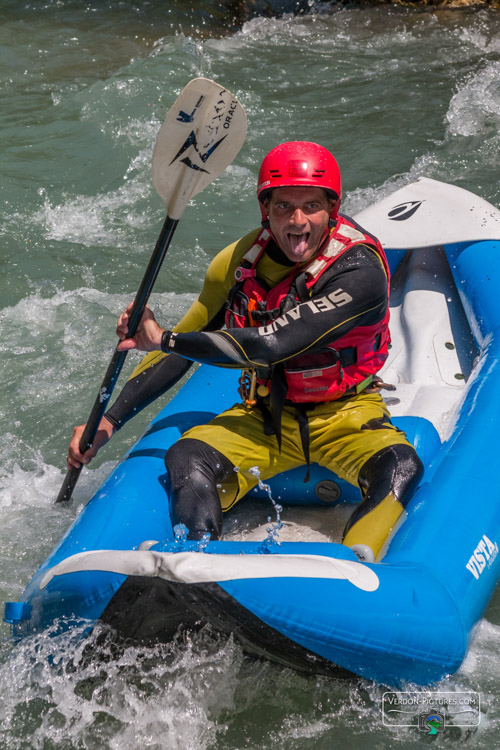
[(347, 364)]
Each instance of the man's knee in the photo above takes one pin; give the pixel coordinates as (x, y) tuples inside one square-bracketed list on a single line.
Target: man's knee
[(388, 481), (396, 469), (195, 469)]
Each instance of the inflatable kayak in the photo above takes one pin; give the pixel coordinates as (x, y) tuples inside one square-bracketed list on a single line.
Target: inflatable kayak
[(307, 601)]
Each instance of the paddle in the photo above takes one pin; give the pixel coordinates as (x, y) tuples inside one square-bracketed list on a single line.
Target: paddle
[(202, 133)]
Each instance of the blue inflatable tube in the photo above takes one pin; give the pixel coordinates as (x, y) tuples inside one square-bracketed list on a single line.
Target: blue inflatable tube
[(312, 605)]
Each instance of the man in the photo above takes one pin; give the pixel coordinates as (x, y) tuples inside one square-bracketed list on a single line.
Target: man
[(305, 304)]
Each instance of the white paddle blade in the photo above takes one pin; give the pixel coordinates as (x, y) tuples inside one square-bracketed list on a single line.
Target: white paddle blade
[(429, 213), (202, 133)]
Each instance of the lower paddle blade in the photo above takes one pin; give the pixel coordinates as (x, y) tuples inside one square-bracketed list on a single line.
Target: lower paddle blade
[(427, 213)]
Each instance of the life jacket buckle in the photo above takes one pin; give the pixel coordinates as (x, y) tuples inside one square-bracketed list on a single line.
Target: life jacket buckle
[(247, 384)]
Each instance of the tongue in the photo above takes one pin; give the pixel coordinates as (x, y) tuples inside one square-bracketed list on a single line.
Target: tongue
[(298, 243)]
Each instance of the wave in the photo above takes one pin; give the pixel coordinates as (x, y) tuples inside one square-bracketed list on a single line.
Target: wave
[(475, 108), (97, 692)]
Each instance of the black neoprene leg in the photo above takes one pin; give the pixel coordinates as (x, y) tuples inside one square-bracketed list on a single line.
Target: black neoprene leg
[(395, 470), (195, 469)]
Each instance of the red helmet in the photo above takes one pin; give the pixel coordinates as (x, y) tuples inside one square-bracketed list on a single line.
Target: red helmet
[(300, 163)]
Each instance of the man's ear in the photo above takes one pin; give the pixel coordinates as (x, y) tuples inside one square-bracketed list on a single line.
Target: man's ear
[(265, 205), (331, 222)]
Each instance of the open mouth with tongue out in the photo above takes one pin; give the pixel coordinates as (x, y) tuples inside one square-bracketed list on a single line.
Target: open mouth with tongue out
[(298, 243)]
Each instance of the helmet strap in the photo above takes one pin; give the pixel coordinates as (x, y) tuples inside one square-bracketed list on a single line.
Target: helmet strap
[(325, 239)]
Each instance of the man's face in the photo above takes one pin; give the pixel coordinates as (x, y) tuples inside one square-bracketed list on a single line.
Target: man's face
[(298, 218)]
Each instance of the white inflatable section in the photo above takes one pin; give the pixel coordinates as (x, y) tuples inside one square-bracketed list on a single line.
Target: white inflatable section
[(429, 213), (196, 567), (432, 351)]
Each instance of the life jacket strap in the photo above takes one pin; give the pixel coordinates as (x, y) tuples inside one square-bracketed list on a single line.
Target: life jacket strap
[(303, 422), (272, 428)]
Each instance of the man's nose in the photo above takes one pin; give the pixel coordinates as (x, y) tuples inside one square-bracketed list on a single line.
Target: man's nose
[(298, 217)]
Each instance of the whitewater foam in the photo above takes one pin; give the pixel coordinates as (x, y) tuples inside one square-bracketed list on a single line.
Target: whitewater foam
[(475, 108)]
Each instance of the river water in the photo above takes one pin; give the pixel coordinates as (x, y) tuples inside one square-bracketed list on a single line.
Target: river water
[(395, 93)]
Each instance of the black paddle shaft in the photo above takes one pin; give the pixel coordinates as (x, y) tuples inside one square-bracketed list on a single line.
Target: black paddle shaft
[(118, 358)]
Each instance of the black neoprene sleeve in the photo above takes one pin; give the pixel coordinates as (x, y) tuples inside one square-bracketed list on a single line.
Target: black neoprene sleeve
[(142, 390), (152, 383)]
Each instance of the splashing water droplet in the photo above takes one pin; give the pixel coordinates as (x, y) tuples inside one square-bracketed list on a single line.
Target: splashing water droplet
[(180, 534), (273, 530), (203, 542)]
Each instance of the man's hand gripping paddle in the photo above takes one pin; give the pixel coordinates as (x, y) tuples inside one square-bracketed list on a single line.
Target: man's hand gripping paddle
[(202, 133)]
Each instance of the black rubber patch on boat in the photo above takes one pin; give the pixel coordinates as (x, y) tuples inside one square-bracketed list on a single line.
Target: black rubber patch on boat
[(151, 609)]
